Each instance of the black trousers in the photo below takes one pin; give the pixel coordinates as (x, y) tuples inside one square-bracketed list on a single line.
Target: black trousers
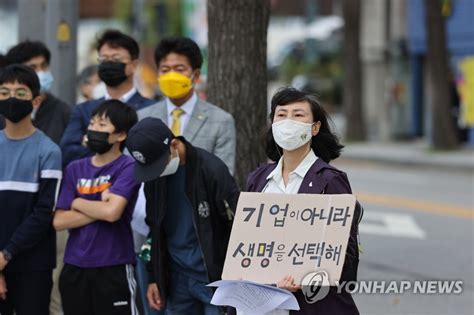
[(98, 291), (29, 293)]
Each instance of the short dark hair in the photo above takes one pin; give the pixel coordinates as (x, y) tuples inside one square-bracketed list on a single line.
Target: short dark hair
[(27, 50), (179, 45), (121, 115), (325, 144), (116, 39), (3, 61), (21, 74)]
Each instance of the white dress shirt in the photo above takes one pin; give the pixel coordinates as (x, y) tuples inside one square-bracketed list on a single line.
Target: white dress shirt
[(124, 98), (275, 182), (187, 107)]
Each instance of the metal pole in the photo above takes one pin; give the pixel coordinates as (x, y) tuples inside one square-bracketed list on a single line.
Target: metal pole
[(31, 17), (416, 95), (311, 14), (138, 25), (61, 38)]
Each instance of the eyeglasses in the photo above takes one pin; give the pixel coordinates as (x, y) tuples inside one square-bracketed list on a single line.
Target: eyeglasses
[(103, 59), (21, 93)]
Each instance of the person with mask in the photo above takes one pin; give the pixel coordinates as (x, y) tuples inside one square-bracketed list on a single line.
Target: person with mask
[(52, 115), (89, 84), (96, 202), (118, 61), (205, 125), (30, 173), (190, 203), (302, 144)]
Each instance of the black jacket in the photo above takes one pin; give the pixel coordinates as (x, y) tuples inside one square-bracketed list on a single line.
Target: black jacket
[(209, 186)]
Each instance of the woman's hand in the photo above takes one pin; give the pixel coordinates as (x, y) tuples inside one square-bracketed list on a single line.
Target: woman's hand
[(288, 283)]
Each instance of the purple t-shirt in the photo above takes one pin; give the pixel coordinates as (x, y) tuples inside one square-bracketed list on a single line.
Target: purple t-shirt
[(100, 243)]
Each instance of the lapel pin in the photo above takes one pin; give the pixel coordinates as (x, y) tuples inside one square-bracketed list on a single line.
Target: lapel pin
[(311, 184)]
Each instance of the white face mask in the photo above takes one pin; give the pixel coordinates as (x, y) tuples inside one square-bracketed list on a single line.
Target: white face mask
[(291, 134), (46, 80), (99, 90), (172, 166)]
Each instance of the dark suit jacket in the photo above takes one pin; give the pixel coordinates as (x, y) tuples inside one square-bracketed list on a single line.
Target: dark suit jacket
[(76, 129)]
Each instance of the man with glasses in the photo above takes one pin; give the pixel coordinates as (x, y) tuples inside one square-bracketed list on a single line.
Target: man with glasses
[(118, 61), (30, 172)]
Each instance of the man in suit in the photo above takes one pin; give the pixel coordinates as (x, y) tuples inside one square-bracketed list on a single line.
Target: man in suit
[(118, 61), (203, 124)]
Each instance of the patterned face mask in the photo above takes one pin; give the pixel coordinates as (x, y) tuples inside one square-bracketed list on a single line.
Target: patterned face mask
[(291, 134)]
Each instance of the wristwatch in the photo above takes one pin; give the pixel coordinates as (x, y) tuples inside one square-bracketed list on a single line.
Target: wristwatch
[(7, 255)]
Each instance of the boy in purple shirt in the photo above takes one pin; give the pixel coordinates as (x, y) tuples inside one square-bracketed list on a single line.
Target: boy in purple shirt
[(96, 203)]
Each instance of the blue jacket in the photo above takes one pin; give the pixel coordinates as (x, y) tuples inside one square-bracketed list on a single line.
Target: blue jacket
[(70, 144)]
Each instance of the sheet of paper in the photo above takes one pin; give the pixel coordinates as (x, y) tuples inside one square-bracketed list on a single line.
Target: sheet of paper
[(138, 221), (252, 298)]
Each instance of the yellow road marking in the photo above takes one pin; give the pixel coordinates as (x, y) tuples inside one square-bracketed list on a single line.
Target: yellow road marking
[(417, 205)]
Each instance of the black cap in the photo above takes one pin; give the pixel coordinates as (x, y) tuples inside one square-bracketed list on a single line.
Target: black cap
[(149, 144)]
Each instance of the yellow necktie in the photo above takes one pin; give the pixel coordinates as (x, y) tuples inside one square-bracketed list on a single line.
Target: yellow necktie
[(176, 126)]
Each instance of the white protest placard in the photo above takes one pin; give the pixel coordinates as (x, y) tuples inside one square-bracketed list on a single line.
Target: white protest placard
[(275, 235)]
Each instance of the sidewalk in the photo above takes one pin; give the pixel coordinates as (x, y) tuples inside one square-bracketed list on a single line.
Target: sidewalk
[(417, 153)]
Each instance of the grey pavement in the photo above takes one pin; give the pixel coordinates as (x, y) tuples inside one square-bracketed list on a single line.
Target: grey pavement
[(416, 153), (417, 225)]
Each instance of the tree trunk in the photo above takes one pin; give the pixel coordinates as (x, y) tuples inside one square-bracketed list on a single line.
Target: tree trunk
[(443, 129), (237, 76), (352, 95)]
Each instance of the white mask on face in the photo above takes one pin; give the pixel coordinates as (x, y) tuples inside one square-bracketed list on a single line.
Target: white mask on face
[(99, 90), (291, 134), (46, 80), (172, 166)]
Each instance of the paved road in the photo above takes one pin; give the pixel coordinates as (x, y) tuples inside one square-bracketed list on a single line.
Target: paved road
[(418, 225)]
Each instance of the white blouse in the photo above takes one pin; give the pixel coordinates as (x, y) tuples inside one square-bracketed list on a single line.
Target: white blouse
[(275, 182)]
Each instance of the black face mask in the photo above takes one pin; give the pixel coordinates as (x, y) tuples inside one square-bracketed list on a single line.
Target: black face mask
[(112, 73), (98, 141), (15, 109)]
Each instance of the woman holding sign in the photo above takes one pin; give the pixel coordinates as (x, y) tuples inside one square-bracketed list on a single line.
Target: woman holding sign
[(301, 142)]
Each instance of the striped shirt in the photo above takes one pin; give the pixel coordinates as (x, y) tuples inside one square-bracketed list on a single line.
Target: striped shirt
[(30, 174)]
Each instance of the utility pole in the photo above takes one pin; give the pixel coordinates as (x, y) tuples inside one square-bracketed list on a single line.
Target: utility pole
[(31, 20), (54, 22), (138, 20), (311, 14)]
